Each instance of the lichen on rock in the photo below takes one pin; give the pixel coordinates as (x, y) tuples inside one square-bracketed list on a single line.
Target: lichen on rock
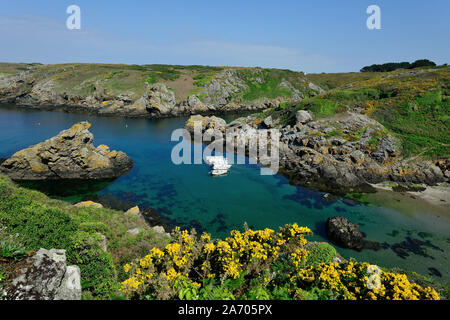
[(69, 155), (45, 276)]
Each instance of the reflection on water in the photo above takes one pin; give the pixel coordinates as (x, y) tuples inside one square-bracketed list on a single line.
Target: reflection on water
[(187, 196)]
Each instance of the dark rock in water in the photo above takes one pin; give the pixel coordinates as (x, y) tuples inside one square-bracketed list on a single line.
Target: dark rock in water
[(69, 155), (2, 160), (375, 246), (414, 246), (195, 224), (344, 233), (154, 218), (435, 272), (113, 202), (82, 189)]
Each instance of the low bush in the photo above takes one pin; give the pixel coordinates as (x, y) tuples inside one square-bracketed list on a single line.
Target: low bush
[(260, 265), (30, 221), (320, 253)]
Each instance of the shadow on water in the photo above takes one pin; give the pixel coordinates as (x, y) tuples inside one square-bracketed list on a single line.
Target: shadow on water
[(69, 190)]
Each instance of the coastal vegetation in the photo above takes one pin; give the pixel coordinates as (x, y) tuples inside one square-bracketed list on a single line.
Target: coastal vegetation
[(391, 66), (41, 222), (414, 105), (252, 264), (410, 104), (261, 265), (107, 81)]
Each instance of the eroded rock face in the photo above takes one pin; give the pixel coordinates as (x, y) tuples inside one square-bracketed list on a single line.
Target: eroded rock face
[(344, 233), (212, 123), (161, 100), (344, 153), (46, 276), (348, 151), (69, 155), (221, 93)]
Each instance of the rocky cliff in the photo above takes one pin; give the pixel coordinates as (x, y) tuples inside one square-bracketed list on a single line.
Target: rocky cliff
[(151, 90), (69, 155), (343, 153)]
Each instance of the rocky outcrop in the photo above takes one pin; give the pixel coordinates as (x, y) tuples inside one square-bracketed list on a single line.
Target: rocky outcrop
[(69, 155), (161, 101), (349, 151), (223, 90), (45, 276), (207, 124), (344, 153), (344, 233), (88, 204), (134, 211), (303, 116)]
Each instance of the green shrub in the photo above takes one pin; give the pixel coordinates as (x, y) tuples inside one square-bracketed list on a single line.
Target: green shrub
[(45, 223), (38, 224), (320, 107), (98, 274), (320, 253), (94, 226)]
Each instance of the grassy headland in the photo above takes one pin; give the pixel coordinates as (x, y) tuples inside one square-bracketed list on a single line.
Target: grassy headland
[(414, 105)]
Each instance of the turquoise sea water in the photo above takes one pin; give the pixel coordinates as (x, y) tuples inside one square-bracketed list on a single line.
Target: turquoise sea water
[(416, 235)]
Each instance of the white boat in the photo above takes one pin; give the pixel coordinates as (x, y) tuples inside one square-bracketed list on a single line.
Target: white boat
[(219, 165)]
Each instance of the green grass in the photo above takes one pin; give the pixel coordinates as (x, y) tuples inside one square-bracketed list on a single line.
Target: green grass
[(203, 78), (413, 105), (422, 124), (46, 223), (266, 83), (320, 107)]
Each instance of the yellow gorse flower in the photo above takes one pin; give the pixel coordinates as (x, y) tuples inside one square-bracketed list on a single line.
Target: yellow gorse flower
[(192, 259)]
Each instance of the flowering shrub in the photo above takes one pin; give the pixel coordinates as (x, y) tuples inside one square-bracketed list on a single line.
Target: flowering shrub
[(258, 264), (355, 281), (192, 259)]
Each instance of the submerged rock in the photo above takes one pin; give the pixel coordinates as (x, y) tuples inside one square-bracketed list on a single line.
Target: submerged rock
[(344, 233), (69, 155)]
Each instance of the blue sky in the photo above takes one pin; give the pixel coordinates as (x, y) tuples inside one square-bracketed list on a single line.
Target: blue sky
[(311, 36)]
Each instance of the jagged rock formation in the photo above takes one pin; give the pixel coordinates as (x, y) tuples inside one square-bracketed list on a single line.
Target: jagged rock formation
[(349, 150), (124, 90), (45, 276), (343, 153), (212, 124), (344, 233), (69, 155)]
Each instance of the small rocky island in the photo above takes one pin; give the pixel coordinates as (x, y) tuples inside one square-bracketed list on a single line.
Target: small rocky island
[(69, 155)]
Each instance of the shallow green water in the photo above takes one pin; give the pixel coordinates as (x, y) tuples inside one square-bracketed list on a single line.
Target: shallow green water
[(418, 237)]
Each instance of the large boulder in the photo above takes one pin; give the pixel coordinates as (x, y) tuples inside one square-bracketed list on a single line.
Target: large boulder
[(303, 116), (344, 233), (212, 123), (69, 155), (45, 276), (161, 100)]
